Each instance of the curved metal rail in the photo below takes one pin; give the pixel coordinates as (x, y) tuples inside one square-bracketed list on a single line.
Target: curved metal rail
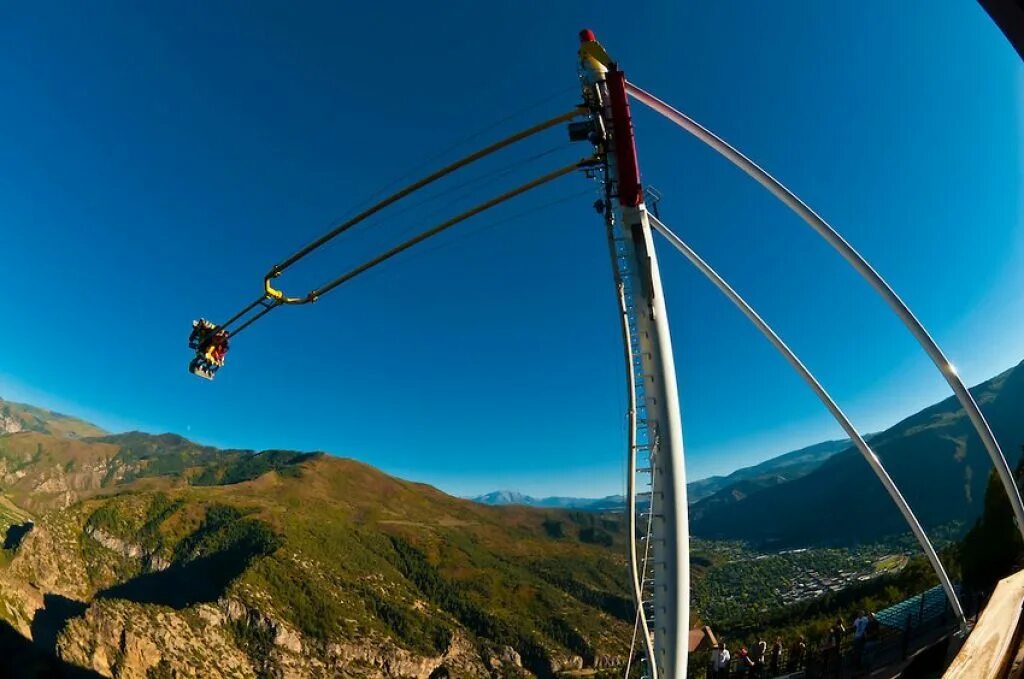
[(858, 262), (866, 452), (398, 195), (273, 298), (637, 567), (270, 303)]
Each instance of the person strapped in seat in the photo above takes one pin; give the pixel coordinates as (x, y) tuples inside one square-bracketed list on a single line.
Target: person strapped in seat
[(211, 346)]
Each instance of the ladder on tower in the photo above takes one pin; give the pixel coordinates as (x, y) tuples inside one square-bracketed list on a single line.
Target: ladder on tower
[(643, 500)]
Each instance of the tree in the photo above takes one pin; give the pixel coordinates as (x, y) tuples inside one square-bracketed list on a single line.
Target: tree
[(992, 549)]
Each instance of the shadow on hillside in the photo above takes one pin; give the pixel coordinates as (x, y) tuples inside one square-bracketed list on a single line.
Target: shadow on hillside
[(15, 534), (201, 580), (51, 619), (21, 659)]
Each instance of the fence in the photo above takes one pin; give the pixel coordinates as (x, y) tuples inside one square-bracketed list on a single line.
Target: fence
[(905, 629)]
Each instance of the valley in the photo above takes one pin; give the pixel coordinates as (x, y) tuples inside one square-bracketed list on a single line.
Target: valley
[(148, 555), (129, 554), (738, 584), (933, 456)]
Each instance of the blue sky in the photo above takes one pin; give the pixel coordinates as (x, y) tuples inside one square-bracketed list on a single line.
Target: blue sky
[(158, 159)]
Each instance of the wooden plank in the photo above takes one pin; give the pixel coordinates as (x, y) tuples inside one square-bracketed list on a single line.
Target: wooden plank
[(993, 644)]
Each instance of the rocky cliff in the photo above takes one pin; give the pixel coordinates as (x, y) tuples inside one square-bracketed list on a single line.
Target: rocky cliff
[(144, 556)]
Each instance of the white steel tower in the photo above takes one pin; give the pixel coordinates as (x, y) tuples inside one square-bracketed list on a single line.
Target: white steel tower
[(659, 552)]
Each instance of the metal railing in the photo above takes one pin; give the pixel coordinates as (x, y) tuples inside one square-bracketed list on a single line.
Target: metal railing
[(905, 630)]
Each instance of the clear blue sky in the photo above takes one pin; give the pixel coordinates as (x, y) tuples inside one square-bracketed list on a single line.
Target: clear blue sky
[(157, 160)]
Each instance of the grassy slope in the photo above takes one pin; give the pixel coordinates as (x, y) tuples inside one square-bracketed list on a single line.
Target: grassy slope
[(410, 556), (335, 548), (31, 418), (934, 456)]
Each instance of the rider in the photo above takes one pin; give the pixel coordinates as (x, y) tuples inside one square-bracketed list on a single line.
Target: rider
[(200, 329), (217, 350), (211, 347)]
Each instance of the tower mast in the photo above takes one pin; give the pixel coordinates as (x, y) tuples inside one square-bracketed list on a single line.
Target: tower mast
[(659, 564)]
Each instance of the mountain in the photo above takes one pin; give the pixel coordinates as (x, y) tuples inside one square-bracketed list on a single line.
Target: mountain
[(934, 456), (511, 497), (150, 556), (724, 489), (505, 497), (15, 417), (736, 492), (797, 463), (787, 466)]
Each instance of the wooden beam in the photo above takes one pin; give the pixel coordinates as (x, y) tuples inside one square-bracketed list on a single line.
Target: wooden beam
[(995, 640)]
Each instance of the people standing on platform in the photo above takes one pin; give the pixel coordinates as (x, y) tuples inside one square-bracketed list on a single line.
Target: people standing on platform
[(720, 658), (797, 654), (836, 633), (775, 663), (760, 650), (860, 630), (744, 663)]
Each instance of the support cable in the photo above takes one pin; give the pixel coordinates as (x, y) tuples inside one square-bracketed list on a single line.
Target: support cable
[(415, 186), (362, 268), (551, 176), (858, 262), (435, 157), (226, 324), (461, 190), (486, 177), (455, 242), (266, 310), (869, 455)]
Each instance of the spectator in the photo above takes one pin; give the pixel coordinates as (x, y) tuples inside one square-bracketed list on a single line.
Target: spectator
[(776, 659), (720, 661), (874, 627), (797, 653), (860, 630), (834, 648), (760, 650), (744, 663), (870, 646), (836, 633)]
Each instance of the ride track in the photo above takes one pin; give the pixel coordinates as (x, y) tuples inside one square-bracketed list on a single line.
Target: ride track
[(659, 553)]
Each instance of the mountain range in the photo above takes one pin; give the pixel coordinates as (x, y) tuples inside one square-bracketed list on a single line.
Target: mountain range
[(142, 555), (138, 555), (825, 494), (17, 417), (935, 457), (511, 497), (786, 467)]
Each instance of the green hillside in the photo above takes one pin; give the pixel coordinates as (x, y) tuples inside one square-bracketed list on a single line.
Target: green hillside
[(15, 417), (785, 467), (934, 456), (151, 554)]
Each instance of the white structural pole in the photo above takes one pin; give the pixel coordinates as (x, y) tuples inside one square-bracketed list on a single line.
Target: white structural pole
[(670, 530), (604, 93), (866, 271), (637, 566), (869, 455)]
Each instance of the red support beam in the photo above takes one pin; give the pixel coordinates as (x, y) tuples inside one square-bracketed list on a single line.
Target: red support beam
[(630, 191)]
